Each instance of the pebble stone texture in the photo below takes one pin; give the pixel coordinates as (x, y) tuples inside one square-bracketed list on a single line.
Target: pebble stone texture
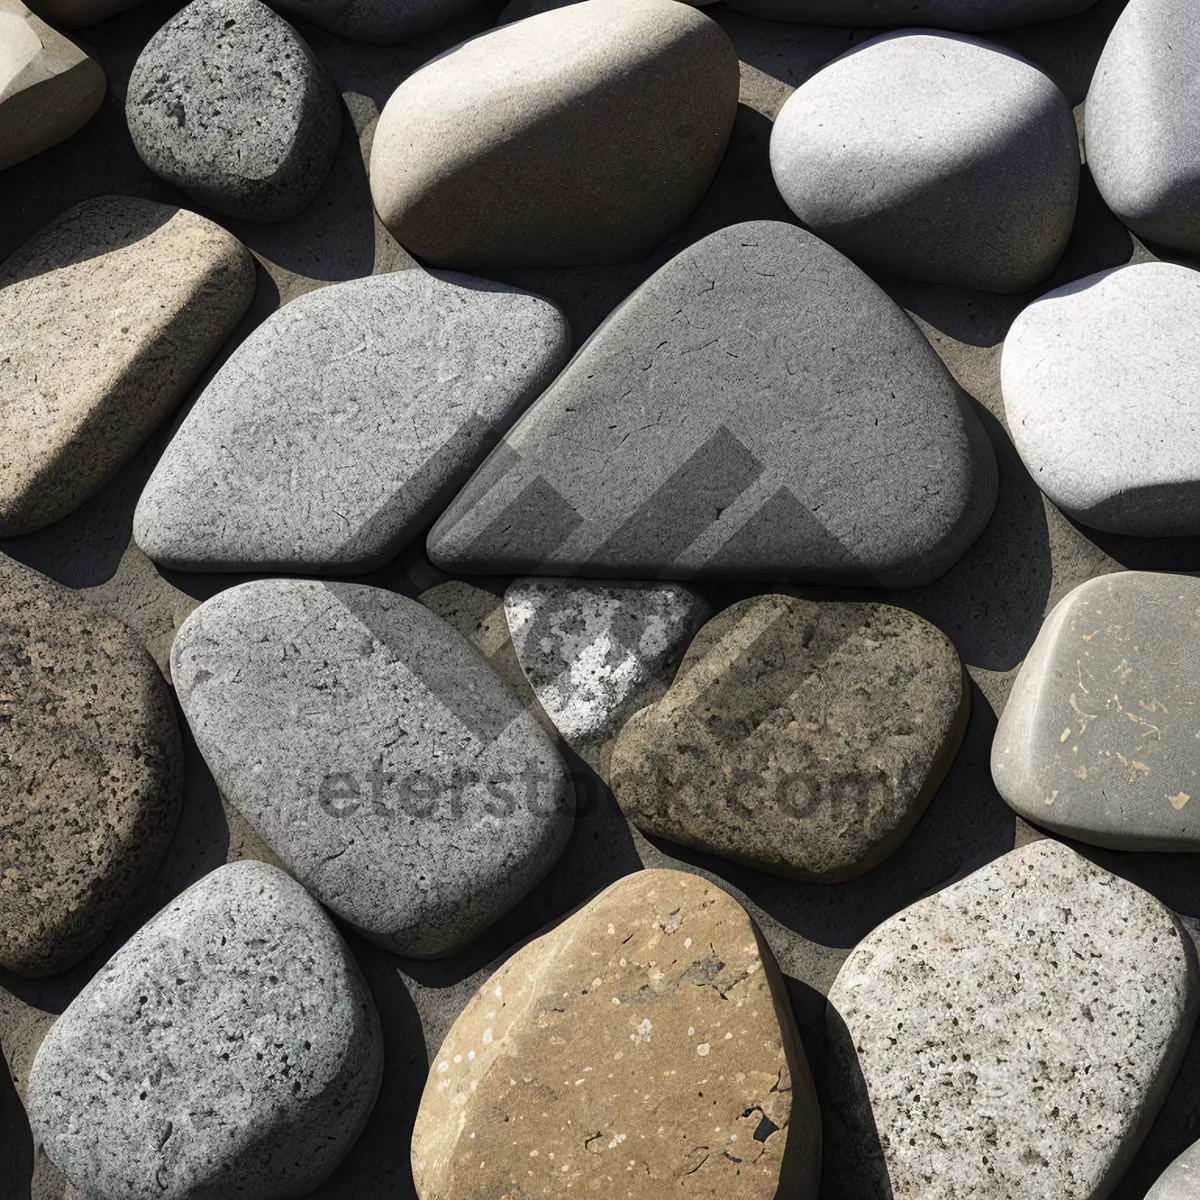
[(595, 653), (581, 135), (390, 769), (646, 1037), (376, 20), (91, 772), (805, 739), (1098, 740), (1144, 153), (935, 157), (231, 1048), (1073, 380), (49, 87), (346, 422), (152, 291), (227, 103), (746, 387), (1015, 1034), (1181, 1180), (968, 15)]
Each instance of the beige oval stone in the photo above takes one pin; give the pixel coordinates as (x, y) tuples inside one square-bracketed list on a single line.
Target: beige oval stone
[(645, 1043)]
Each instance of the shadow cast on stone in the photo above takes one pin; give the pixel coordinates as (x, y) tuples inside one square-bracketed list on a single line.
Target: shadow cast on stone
[(16, 1158), (1178, 554)]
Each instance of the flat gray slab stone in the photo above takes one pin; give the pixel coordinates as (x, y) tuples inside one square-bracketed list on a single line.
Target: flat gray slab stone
[(1181, 1180), (376, 21), (758, 409), (229, 1048), (1011, 1035), (935, 157), (1108, 427), (346, 422), (376, 753), (1099, 737), (972, 16)]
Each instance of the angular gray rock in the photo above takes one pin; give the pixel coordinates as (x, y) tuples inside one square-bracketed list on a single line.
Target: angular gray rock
[(1109, 428), (376, 753), (971, 16), (1098, 739), (1181, 1180), (346, 422), (758, 409), (1143, 143), (1013, 1034), (378, 21), (227, 103), (935, 157), (229, 1048)]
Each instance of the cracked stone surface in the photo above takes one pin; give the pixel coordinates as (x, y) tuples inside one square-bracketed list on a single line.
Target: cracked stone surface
[(1181, 1180), (969, 15), (376, 753), (229, 1048), (227, 103), (647, 1038), (1012, 1035)]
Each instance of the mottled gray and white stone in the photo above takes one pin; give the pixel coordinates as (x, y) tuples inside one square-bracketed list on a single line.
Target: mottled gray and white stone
[(229, 1048), (376, 753), (1099, 385), (757, 409), (227, 103), (972, 16), (346, 422), (377, 21), (935, 157), (1099, 737), (1013, 1034), (1181, 1180)]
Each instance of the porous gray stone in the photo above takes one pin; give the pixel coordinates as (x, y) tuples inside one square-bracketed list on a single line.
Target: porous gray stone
[(376, 753), (1098, 739), (346, 422), (227, 103), (1013, 1034), (229, 1048), (758, 409), (971, 16), (935, 157), (1108, 427), (378, 21), (1181, 1180), (581, 135)]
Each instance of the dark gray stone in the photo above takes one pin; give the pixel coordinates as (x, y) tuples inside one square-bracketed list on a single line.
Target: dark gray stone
[(971, 16), (376, 20)]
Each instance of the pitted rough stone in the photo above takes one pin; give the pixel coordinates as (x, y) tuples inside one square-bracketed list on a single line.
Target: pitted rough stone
[(971, 16), (376, 20), (1181, 1180), (648, 1038), (229, 1048)]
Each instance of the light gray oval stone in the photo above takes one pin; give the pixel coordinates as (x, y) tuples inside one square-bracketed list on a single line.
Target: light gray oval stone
[(378, 21), (346, 422), (376, 753), (935, 157), (1181, 1180), (1099, 385), (1013, 1034), (229, 1048), (972, 16)]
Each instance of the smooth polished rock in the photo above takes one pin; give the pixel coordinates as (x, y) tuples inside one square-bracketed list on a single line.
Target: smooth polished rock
[(648, 1038), (1181, 1180), (971, 16), (376, 21), (1014, 1034), (229, 1048), (227, 103), (758, 409), (376, 753), (1098, 379), (581, 135), (152, 292), (935, 157), (346, 422)]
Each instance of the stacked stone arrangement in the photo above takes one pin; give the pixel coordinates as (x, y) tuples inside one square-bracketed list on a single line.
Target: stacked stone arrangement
[(599, 598)]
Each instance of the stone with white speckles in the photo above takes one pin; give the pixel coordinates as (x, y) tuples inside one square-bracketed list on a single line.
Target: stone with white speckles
[(648, 1037), (1098, 740), (1014, 1034), (1181, 1180)]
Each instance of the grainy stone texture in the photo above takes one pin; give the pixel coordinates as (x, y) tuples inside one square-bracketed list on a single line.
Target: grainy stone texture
[(595, 653), (151, 291), (1109, 431), (1011, 1035), (581, 135), (229, 1048), (804, 738), (49, 87), (973, 16), (1143, 143), (228, 103), (373, 750), (1181, 1180), (935, 157), (1098, 739), (757, 409), (648, 1038), (91, 772), (346, 422), (376, 20)]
